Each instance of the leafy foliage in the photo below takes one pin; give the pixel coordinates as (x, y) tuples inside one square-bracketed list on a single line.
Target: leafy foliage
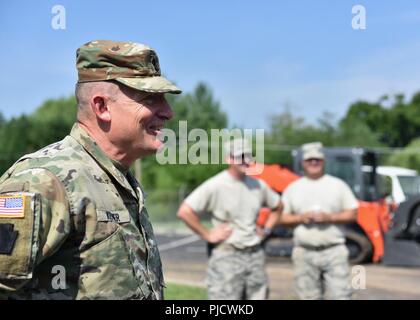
[(25, 134), (389, 122), (395, 125), (409, 157), (200, 110)]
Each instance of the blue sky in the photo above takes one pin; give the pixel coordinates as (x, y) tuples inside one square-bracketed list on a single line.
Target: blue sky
[(257, 56)]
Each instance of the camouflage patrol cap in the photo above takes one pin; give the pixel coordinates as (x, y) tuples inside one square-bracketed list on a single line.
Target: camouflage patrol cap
[(132, 64)]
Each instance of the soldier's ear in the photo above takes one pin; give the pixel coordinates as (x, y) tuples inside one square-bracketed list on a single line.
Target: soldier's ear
[(100, 108)]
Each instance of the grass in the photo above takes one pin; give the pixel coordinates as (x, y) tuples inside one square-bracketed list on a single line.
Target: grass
[(184, 292)]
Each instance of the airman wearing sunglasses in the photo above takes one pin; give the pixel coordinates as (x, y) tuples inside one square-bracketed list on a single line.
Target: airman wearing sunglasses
[(236, 267)]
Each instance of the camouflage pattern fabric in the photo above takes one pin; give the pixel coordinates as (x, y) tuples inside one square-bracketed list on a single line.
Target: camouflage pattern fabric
[(322, 274), (87, 215), (237, 275), (132, 64)]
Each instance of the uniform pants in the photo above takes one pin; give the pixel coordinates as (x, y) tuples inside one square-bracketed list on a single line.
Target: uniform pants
[(322, 274), (237, 275)]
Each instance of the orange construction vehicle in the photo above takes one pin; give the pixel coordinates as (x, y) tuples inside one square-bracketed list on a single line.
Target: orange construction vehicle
[(365, 239)]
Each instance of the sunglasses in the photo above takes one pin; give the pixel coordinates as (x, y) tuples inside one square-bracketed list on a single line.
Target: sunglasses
[(243, 158), (313, 160)]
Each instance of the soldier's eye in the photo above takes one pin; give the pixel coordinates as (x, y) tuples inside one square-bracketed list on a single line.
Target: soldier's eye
[(152, 100), (149, 101)]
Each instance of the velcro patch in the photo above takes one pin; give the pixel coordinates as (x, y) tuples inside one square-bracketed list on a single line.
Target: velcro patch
[(7, 238), (12, 206), (20, 237)]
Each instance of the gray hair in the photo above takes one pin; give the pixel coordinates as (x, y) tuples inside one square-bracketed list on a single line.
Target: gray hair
[(85, 90)]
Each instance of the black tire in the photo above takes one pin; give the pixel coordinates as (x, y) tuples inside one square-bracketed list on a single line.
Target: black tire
[(359, 246)]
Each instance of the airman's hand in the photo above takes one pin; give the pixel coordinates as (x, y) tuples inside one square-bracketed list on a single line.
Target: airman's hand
[(219, 233), (321, 217), (260, 232), (263, 233), (307, 217)]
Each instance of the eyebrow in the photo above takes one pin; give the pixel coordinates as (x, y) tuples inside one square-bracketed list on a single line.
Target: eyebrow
[(141, 96)]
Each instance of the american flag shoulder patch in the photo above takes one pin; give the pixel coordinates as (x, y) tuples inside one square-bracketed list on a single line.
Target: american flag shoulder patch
[(12, 206)]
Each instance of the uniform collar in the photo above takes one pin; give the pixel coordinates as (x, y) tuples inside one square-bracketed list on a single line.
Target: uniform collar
[(112, 167)]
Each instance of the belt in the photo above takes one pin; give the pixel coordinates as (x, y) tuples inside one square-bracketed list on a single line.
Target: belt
[(229, 247), (319, 248)]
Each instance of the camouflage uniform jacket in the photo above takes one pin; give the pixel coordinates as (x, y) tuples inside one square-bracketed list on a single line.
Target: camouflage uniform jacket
[(82, 215)]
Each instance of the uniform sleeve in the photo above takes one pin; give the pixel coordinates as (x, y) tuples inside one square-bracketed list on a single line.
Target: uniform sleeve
[(200, 199), (348, 199), (287, 201), (271, 198), (41, 230)]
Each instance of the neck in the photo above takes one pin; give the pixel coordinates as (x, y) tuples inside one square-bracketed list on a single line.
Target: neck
[(237, 175), (315, 176), (111, 150)]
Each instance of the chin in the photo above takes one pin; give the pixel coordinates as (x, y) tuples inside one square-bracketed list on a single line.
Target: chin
[(153, 145), (154, 149), (242, 171), (147, 150)]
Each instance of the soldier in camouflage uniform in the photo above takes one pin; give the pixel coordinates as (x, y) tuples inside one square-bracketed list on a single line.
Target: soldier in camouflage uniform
[(73, 222), (236, 268), (318, 205)]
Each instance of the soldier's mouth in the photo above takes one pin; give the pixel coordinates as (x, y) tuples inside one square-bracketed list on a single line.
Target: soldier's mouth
[(155, 129)]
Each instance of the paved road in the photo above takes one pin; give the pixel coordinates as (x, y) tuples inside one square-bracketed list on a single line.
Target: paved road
[(186, 263)]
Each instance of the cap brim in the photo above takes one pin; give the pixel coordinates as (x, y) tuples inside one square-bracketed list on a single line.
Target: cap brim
[(313, 155), (241, 152), (150, 84)]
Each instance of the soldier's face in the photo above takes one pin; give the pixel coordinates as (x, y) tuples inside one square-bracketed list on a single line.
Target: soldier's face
[(138, 120), (313, 167), (241, 163)]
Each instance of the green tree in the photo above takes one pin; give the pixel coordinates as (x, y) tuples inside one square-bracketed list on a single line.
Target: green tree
[(200, 109), (287, 131), (409, 157), (373, 115), (53, 120), (50, 122), (354, 133), (394, 125), (16, 140)]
